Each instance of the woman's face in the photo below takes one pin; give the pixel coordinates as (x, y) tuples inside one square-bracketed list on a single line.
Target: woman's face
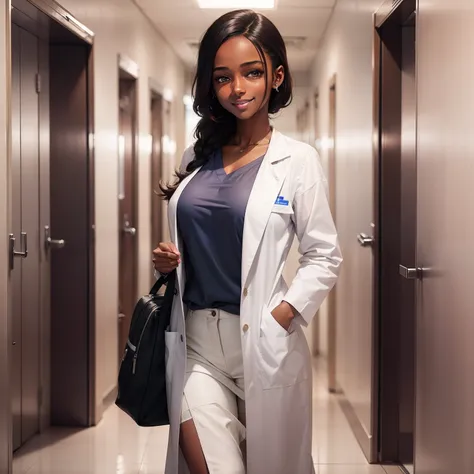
[(239, 78)]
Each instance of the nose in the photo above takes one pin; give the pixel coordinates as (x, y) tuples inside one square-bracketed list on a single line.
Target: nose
[(239, 86)]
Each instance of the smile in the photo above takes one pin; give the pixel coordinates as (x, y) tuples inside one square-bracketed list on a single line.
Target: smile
[(242, 104)]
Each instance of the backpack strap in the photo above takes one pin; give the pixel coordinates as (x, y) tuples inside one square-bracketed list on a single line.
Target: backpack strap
[(168, 279)]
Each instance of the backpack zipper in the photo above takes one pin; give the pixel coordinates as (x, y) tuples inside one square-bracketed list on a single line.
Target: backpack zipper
[(135, 356)]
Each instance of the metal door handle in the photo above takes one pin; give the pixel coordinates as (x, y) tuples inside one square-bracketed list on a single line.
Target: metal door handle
[(51, 243), (365, 241), (14, 253), (129, 230), (411, 273)]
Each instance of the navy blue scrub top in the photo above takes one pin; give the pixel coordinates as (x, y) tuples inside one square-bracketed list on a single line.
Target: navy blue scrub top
[(211, 212)]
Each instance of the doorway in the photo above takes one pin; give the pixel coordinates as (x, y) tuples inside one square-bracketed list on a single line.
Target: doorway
[(331, 302), (128, 212), (395, 57), (317, 143), (51, 245), (157, 133)]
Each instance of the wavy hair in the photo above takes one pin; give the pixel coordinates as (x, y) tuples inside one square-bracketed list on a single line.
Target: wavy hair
[(217, 126)]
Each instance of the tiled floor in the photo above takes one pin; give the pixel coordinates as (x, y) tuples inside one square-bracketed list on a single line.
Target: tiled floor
[(117, 446)]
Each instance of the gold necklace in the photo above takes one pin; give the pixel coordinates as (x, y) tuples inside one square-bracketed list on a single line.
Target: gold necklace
[(242, 149)]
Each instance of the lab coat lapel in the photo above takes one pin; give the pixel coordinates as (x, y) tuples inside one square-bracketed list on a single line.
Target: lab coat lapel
[(265, 191)]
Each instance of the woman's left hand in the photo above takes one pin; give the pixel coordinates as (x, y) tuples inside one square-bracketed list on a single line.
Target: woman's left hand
[(284, 314)]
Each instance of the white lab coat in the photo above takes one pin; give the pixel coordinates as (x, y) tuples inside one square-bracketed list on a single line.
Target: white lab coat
[(277, 365)]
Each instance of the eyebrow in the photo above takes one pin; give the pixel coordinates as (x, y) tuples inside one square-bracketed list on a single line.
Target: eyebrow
[(249, 63)]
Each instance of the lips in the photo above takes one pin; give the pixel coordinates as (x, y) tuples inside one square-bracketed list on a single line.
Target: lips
[(242, 104)]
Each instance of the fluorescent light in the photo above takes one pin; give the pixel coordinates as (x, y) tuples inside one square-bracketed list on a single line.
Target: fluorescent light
[(224, 4)]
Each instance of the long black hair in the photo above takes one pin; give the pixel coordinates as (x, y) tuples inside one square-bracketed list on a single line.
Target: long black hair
[(217, 126)]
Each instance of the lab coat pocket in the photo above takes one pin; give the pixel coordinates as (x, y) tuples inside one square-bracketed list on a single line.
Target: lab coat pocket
[(282, 209), (281, 359)]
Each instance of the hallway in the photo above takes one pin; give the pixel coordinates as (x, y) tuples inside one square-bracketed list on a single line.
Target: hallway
[(101, 100), (118, 446)]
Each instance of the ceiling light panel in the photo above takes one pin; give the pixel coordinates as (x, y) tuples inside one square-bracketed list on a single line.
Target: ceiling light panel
[(224, 4)]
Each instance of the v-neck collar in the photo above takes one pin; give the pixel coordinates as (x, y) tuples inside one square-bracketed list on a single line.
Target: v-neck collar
[(220, 165)]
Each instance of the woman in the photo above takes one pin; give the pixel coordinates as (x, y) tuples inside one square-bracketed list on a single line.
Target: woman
[(238, 365)]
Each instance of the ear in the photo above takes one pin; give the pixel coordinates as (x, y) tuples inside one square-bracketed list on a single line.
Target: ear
[(278, 76)]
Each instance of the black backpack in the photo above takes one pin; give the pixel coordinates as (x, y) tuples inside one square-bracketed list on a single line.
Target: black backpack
[(142, 375)]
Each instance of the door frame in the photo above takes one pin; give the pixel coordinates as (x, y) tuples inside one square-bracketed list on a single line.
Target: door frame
[(51, 11), (316, 332), (387, 148), (6, 425), (128, 70), (156, 164), (332, 299)]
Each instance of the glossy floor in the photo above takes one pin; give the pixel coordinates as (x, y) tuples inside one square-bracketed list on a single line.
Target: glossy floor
[(117, 446)]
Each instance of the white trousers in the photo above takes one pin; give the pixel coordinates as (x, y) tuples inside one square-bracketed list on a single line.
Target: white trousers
[(214, 388)]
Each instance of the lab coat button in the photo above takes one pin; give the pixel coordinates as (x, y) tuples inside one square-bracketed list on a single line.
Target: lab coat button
[(246, 292), (245, 327)]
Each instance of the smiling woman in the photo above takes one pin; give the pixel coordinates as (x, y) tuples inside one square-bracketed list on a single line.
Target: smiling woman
[(242, 194), (242, 73)]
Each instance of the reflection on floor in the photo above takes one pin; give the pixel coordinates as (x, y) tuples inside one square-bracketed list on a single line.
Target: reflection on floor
[(117, 446)]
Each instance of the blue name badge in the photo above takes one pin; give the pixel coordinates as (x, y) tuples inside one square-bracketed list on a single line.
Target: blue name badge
[(280, 201)]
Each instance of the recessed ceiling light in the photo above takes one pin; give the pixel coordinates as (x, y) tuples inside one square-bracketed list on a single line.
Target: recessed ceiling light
[(224, 4)]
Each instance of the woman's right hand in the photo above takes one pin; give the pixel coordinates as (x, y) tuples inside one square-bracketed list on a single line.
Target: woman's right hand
[(166, 257)]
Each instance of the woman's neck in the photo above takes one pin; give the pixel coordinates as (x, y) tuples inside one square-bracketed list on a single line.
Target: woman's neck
[(253, 130)]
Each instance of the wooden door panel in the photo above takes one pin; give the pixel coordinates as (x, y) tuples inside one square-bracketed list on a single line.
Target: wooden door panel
[(127, 208), (408, 247), (31, 302), (445, 234), (16, 230), (69, 183)]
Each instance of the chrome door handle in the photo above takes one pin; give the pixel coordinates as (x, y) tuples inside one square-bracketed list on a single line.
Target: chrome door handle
[(129, 230), (51, 243), (411, 273), (14, 253), (365, 241)]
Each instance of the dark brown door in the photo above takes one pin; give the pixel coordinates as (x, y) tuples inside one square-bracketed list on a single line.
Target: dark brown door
[(53, 201), (395, 105), (408, 247), (127, 207), (72, 280), (331, 315), (26, 307), (156, 170)]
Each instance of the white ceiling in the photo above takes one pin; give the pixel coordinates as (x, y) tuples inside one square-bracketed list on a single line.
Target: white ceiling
[(182, 23)]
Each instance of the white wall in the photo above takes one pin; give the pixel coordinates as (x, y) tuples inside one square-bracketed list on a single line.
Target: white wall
[(120, 28), (346, 51)]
